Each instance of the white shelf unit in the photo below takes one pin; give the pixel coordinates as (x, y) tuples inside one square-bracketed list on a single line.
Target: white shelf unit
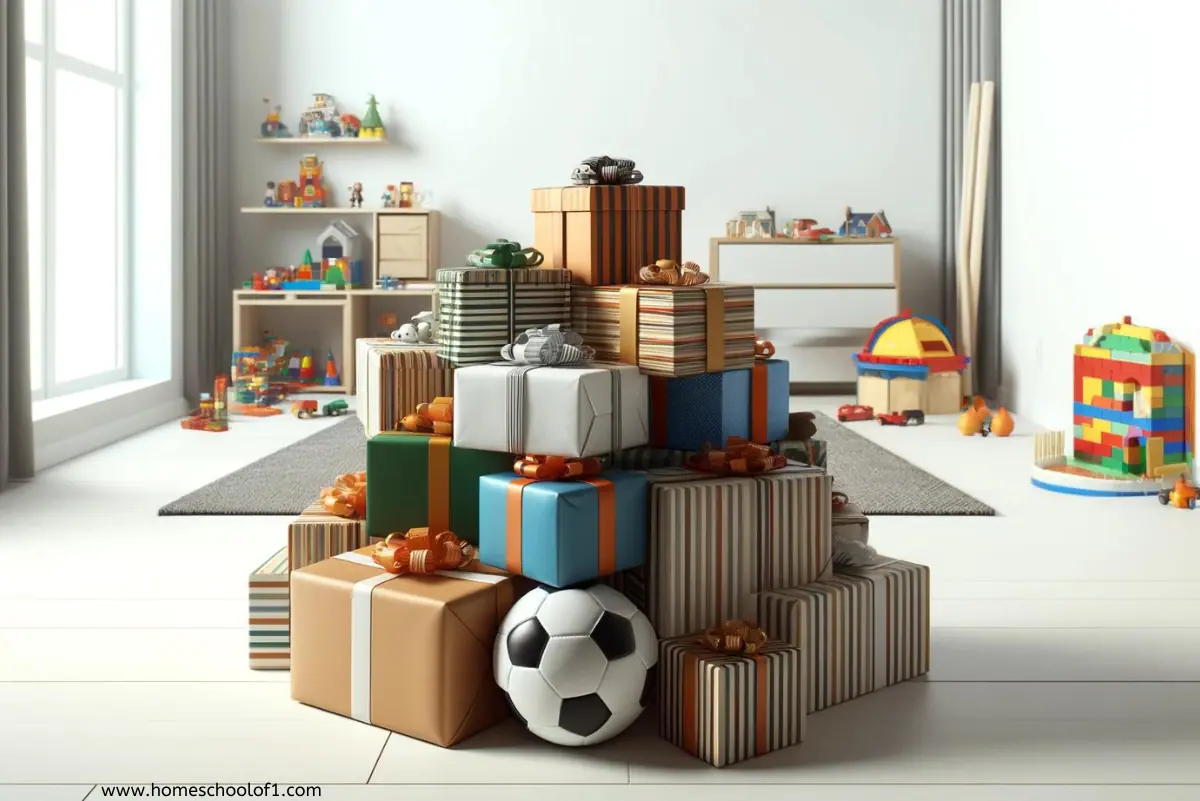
[(816, 301)]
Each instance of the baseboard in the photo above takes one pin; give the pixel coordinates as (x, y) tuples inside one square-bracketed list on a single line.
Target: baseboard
[(115, 429), (822, 388)]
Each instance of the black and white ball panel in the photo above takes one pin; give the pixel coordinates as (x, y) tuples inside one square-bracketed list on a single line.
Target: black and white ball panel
[(614, 635), (573, 665), (646, 639), (569, 612), (533, 697), (583, 715), (526, 607), (613, 601), (527, 642), (622, 682)]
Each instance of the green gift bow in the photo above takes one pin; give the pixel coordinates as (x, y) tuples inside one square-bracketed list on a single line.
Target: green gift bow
[(503, 253)]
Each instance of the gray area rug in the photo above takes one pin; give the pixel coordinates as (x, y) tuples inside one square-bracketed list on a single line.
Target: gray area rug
[(288, 481)]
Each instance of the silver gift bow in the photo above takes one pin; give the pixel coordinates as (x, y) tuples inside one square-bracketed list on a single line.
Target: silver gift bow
[(551, 346)]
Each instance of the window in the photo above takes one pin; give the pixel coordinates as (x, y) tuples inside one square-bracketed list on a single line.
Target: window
[(78, 125)]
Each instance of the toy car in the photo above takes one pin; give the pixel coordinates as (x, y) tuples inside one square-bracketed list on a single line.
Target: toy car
[(911, 417), (304, 408), (1182, 496), (850, 413), (335, 408)]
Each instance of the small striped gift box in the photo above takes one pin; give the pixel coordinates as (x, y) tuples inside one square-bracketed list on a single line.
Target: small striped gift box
[(269, 614), (480, 310), (393, 378), (725, 708), (714, 540), (316, 535), (668, 331), (860, 631)]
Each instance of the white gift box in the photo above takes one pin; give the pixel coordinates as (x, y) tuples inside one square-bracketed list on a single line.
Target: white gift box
[(571, 411)]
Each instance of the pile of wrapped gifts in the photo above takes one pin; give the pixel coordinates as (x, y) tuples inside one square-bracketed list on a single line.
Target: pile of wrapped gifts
[(589, 497)]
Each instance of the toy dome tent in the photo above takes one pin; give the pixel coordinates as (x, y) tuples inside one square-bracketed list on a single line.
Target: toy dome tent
[(908, 362)]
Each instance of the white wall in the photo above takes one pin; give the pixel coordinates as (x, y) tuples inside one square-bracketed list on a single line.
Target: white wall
[(1100, 179), (805, 105)]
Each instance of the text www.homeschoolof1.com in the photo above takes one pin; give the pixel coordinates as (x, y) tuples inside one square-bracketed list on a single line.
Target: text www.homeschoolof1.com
[(264, 790)]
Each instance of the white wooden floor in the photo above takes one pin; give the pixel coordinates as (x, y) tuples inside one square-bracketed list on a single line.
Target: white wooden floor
[(1066, 652)]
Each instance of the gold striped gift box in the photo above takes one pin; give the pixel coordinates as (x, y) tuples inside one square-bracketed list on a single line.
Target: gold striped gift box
[(668, 331), (316, 535), (725, 708), (714, 540), (393, 378), (860, 631), (270, 614)]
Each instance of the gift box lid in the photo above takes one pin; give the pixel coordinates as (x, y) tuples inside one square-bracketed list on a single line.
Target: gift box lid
[(503, 275), (637, 197)]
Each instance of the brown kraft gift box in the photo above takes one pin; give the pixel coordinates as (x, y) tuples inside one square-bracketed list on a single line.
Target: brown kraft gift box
[(409, 653), (604, 234)]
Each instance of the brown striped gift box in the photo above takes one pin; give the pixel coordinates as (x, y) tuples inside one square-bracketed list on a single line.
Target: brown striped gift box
[(860, 631), (605, 234), (316, 535), (392, 379), (725, 708), (269, 618), (715, 540), (669, 331), (480, 309)]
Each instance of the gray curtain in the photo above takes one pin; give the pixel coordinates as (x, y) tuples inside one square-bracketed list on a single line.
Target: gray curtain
[(16, 403), (971, 42), (207, 302)]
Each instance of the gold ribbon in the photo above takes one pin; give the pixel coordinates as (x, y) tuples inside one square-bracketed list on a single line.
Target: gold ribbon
[(417, 552), (739, 457), (347, 497), (436, 417), (737, 637), (555, 468), (672, 273)]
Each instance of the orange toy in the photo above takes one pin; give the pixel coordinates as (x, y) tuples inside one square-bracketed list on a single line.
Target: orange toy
[(971, 422), (431, 418), (1183, 496), (1002, 423)]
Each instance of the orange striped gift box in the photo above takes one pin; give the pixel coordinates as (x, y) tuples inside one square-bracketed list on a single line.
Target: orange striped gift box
[(605, 234), (391, 379), (860, 631), (724, 708), (716, 539), (670, 331), (316, 535), (269, 614)]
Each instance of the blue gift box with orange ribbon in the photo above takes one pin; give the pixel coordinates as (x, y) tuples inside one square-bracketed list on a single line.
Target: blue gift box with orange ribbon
[(561, 521), (752, 404)]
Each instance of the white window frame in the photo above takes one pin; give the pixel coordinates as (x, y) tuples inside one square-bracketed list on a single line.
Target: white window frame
[(120, 79)]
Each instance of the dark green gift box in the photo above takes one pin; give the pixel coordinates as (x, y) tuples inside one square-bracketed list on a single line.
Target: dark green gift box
[(416, 480)]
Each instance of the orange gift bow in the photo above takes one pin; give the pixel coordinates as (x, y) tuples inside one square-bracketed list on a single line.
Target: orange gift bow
[(347, 497), (764, 349), (672, 273), (419, 553), (735, 637), (555, 468), (739, 457), (436, 417)]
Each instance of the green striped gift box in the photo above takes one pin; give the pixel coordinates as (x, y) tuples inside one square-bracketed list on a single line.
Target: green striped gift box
[(481, 310), (270, 614), (716, 539), (725, 708), (861, 631)]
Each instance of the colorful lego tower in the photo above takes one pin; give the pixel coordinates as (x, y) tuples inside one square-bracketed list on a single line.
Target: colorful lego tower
[(311, 193), (1134, 391)]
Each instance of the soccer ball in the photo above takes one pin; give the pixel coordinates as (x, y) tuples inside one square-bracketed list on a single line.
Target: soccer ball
[(573, 663)]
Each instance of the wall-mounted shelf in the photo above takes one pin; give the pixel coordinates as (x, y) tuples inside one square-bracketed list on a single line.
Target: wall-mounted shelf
[(322, 140), (344, 211)]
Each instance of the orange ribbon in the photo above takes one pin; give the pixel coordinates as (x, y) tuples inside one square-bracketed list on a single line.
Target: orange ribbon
[(420, 553), (764, 349), (347, 497), (840, 499), (760, 390), (735, 637), (738, 458), (436, 417), (555, 468)]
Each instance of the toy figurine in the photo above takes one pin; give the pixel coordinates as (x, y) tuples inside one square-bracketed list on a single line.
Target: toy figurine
[(407, 195), (269, 196), (389, 196), (356, 195), (372, 124), (272, 128), (422, 331), (285, 195), (351, 125)]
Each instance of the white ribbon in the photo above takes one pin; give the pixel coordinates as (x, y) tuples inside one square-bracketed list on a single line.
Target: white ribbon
[(360, 626)]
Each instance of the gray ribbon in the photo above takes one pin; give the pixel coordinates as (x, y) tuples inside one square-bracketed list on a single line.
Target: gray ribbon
[(551, 346)]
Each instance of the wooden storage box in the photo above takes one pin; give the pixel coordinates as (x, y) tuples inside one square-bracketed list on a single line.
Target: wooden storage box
[(406, 244), (605, 234)]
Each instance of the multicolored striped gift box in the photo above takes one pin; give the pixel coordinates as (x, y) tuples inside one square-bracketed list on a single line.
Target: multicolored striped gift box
[(393, 378), (860, 631), (725, 708), (481, 310), (605, 234), (715, 540), (665, 330), (645, 458), (269, 614), (317, 535)]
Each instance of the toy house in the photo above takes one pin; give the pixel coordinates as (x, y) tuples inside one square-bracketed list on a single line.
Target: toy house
[(870, 225), (1133, 401), (909, 363), (339, 241)]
